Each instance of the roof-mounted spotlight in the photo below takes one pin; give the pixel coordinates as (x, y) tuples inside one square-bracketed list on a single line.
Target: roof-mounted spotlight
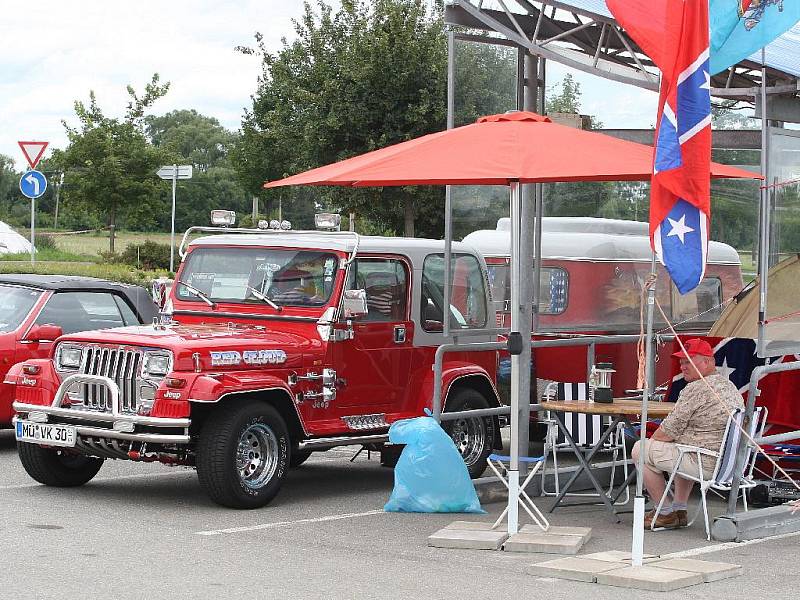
[(223, 218), (328, 221)]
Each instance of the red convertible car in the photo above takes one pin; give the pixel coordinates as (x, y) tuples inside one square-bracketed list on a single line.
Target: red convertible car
[(37, 309)]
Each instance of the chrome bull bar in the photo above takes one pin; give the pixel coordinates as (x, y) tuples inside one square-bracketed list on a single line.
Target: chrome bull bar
[(123, 425)]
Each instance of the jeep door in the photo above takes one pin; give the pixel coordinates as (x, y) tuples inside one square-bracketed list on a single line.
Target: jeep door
[(376, 363)]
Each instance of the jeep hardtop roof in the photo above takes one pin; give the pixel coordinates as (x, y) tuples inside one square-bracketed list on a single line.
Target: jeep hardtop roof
[(414, 248)]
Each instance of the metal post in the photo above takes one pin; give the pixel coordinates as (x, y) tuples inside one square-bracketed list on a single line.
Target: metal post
[(33, 230), (352, 221), (172, 231), (764, 219), (527, 289), (637, 546), (255, 211), (58, 193), (516, 376), (448, 208)]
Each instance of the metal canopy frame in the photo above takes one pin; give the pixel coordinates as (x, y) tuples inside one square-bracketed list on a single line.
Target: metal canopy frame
[(595, 44)]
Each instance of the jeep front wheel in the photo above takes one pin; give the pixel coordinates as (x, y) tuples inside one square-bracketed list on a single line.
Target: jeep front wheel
[(243, 455), (57, 468), (473, 437)]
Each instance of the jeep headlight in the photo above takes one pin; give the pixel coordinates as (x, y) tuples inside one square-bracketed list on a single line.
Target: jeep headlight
[(156, 364), (69, 358)]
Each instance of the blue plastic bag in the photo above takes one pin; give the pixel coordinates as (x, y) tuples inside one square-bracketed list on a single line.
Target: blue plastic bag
[(430, 475)]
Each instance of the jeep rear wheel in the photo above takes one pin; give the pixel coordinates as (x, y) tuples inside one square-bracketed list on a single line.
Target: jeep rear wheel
[(243, 455), (57, 468), (472, 436)]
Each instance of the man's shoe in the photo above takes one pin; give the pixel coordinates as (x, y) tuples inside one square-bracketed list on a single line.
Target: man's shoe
[(683, 517), (670, 521)]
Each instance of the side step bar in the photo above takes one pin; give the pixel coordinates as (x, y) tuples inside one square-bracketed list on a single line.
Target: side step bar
[(333, 442)]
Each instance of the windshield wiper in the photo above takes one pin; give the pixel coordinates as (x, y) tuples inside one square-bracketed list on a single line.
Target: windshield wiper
[(264, 298), (200, 294)]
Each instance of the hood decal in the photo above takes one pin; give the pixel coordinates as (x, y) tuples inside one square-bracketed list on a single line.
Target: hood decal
[(250, 357)]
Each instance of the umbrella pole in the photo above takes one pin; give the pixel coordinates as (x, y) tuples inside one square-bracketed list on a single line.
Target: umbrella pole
[(637, 547), (513, 473), (764, 233)]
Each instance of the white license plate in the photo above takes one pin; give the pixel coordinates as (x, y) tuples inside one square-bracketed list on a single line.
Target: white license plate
[(46, 433)]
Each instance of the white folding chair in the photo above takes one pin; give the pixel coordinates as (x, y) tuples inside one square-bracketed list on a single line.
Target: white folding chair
[(586, 431), (497, 463), (724, 469)]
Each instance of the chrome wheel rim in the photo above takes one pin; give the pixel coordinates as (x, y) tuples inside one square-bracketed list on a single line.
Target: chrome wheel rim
[(469, 436), (257, 455)]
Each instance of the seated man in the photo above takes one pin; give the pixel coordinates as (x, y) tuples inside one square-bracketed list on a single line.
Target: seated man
[(697, 420)]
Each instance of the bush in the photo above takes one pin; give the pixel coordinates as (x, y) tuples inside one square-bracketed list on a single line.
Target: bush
[(45, 241), (148, 255), (120, 273)]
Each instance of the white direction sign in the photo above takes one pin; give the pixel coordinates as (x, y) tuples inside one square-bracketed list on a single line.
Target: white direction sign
[(33, 151), (169, 172)]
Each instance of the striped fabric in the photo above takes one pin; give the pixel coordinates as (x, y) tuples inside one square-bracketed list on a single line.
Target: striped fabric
[(727, 463), (584, 429)]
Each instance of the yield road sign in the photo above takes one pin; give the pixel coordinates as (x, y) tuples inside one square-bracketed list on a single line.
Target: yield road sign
[(32, 184), (33, 151), (169, 172)]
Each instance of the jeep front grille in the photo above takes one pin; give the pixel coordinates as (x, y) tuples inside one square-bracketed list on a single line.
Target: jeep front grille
[(121, 366)]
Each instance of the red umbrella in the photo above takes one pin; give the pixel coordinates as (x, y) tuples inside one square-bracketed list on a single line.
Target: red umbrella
[(519, 146)]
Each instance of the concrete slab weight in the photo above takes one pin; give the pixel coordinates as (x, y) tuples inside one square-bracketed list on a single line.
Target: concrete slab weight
[(649, 577), (576, 568), (472, 526), (544, 542), (467, 539), (585, 533), (618, 556), (711, 571)]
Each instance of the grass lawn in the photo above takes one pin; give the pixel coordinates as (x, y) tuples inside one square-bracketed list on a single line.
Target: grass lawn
[(90, 244)]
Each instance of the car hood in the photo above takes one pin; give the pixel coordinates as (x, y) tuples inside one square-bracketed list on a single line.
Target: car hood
[(209, 340)]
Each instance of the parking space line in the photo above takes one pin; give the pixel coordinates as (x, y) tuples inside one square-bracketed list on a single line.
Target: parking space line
[(289, 523), (21, 486), (727, 546)]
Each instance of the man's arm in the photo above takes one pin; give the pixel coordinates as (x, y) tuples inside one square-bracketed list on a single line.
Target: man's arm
[(662, 436)]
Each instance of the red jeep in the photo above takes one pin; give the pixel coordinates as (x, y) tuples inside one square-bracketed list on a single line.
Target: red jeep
[(276, 344)]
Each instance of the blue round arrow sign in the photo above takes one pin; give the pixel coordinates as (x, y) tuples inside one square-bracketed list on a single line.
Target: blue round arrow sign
[(33, 184)]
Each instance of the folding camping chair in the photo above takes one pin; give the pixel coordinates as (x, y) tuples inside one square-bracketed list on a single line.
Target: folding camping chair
[(497, 463), (586, 431), (723, 475)]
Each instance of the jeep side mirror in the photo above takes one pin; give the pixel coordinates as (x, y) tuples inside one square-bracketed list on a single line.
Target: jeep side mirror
[(44, 333), (354, 304)]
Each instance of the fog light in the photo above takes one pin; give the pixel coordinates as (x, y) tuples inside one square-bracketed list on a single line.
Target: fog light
[(263, 224), (274, 224), (174, 382), (31, 369), (286, 225)]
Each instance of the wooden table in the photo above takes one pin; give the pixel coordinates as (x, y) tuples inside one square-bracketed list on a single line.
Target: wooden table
[(621, 409)]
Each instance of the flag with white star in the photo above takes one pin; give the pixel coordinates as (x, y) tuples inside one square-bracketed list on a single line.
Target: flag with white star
[(676, 36)]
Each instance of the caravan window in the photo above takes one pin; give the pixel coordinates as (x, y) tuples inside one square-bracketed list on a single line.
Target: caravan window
[(701, 305), (553, 285)]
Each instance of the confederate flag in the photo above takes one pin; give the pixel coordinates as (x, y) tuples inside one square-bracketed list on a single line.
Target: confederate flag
[(674, 33)]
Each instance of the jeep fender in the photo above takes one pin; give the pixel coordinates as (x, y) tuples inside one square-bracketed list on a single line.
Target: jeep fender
[(212, 390), (458, 373)]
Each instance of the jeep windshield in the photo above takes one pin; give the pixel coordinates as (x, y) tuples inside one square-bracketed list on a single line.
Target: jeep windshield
[(16, 305), (248, 275)]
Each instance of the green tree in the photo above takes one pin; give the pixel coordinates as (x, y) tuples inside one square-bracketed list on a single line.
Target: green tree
[(364, 77), (109, 162), (9, 190), (192, 138)]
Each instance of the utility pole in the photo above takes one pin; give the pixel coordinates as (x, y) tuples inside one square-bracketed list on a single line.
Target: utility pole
[(58, 192)]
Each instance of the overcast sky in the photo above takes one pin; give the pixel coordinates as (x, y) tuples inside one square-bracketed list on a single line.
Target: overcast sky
[(53, 52)]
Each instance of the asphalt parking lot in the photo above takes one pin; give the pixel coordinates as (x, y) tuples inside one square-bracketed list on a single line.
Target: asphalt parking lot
[(148, 531)]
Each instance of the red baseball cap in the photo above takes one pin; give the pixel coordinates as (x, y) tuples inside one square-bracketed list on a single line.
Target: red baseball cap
[(695, 347)]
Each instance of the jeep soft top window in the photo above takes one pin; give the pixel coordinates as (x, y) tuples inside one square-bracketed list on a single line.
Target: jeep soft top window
[(468, 300), (17, 303), (287, 277)]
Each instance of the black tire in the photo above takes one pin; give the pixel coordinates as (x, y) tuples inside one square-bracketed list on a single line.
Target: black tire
[(298, 457), (473, 437), (57, 468), (243, 455)]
